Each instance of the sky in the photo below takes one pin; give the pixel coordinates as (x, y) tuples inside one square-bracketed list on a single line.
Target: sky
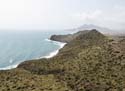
[(60, 14)]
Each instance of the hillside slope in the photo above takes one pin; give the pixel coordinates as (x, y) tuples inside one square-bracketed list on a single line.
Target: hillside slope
[(88, 62)]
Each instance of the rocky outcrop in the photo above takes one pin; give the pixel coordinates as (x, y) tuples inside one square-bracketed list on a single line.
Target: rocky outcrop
[(69, 37), (62, 38)]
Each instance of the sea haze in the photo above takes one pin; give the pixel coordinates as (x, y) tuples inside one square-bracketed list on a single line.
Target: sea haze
[(16, 47)]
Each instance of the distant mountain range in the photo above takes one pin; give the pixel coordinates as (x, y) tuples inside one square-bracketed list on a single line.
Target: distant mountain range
[(103, 30)]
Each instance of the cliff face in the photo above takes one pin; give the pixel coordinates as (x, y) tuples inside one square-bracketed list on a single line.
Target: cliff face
[(89, 61)]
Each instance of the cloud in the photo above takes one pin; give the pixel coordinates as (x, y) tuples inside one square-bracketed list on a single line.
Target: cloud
[(89, 15), (58, 14), (113, 19)]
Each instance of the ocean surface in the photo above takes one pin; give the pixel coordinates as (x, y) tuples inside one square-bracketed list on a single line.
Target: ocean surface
[(16, 47)]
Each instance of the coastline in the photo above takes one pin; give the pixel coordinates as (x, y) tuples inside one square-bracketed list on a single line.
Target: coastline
[(50, 55), (86, 63), (54, 53)]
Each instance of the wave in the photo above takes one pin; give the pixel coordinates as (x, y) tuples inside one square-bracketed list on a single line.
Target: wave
[(9, 67), (52, 54)]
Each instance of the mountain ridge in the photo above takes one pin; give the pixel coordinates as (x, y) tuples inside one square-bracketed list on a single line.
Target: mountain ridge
[(101, 29), (89, 62)]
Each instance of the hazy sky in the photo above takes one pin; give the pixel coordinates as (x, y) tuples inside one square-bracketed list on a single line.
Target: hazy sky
[(60, 14)]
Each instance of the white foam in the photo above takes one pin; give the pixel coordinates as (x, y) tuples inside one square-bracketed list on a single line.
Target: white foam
[(52, 54), (47, 40), (11, 61), (9, 67)]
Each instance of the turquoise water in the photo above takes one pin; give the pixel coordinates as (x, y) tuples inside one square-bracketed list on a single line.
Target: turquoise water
[(16, 47)]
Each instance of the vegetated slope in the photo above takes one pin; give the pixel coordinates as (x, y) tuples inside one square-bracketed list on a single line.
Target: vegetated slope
[(103, 30), (69, 37), (89, 62), (22, 80)]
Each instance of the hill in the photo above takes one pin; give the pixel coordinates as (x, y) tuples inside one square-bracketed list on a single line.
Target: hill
[(89, 61), (101, 29), (67, 38)]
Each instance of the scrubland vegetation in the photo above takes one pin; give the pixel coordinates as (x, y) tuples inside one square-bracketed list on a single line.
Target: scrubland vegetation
[(89, 62)]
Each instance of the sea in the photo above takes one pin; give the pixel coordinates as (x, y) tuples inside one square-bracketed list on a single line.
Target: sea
[(19, 46)]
